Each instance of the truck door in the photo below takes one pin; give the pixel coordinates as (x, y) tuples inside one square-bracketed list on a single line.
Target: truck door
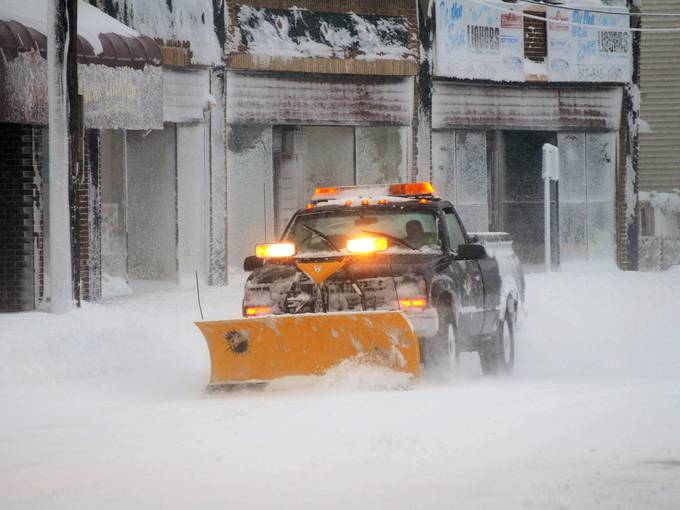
[(492, 291), (468, 282)]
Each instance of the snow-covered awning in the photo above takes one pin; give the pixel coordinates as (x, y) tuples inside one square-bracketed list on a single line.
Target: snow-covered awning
[(101, 38), (317, 37), (119, 70)]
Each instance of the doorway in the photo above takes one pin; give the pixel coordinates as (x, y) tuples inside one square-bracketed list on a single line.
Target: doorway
[(521, 208)]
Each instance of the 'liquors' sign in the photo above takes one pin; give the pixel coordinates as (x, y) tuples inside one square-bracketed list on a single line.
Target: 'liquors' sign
[(588, 46), (479, 41)]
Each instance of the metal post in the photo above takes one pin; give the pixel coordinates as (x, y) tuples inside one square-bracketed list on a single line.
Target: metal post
[(550, 172), (546, 213), (60, 228)]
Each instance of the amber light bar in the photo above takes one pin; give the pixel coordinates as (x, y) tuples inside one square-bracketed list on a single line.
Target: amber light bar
[(254, 311), (275, 250), (367, 192), (411, 188), (361, 245)]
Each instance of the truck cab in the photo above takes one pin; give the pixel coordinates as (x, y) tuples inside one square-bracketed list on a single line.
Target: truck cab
[(396, 247)]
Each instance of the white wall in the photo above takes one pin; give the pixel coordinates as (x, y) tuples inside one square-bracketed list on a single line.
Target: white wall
[(192, 201), (152, 251), (249, 180)]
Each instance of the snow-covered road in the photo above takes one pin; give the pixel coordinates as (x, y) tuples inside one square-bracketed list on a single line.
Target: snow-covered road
[(105, 407)]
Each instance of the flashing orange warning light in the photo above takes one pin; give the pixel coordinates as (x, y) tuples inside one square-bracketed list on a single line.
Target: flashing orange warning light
[(423, 200), (382, 201), (325, 191), (348, 203), (276, 250), (254, 311), (309, 206), (364, 202), (411, 188), (410, 303)]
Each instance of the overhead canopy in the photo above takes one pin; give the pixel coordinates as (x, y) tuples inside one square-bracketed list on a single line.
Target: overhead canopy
[(101, 39), (119, 70)]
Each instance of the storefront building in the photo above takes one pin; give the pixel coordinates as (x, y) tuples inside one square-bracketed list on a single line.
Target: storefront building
[(505, 82), (121, 82), (318, 94), (163, 188)]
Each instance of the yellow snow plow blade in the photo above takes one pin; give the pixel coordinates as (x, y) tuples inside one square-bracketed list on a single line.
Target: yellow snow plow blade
[(265, 348)]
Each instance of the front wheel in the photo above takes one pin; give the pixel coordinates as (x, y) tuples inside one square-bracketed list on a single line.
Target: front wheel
[(441, 349), (498, 357)]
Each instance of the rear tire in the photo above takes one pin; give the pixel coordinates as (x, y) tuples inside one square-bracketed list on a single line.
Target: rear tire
[(498, 357)]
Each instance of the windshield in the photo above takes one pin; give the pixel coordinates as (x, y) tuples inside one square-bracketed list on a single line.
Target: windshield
[(328, 231)]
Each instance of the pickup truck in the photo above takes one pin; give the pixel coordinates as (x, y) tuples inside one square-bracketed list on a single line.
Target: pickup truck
[(458, 295)]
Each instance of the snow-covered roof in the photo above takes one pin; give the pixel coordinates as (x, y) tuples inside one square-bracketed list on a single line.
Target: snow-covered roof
[(370, 40), (91, 21), (180, 20), (300, 32)]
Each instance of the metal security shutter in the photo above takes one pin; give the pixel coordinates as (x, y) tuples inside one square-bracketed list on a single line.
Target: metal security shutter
[(660, 84), (525, 108), (279, 99)]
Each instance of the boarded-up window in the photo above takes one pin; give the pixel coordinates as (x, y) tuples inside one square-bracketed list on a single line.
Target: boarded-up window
[(535, 37)]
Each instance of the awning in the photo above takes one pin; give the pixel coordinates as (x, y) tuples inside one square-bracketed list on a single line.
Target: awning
[(119, 70), (118, 50)]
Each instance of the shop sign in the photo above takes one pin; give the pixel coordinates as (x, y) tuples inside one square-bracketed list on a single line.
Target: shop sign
[(587, 46), (479, 41)]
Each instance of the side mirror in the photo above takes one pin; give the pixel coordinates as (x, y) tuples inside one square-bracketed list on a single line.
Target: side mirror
[(471, 251), (474, 239), (252, 263)]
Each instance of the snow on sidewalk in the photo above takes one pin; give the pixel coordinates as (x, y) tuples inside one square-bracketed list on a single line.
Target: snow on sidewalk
[(104, 406)]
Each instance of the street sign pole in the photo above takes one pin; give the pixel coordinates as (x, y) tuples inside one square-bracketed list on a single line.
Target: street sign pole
[(551, 171)]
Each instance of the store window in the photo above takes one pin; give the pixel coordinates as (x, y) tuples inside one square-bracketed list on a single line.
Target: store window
[(307, 157)]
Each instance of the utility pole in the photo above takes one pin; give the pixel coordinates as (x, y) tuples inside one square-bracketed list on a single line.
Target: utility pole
[(76, 146), (61, 58)]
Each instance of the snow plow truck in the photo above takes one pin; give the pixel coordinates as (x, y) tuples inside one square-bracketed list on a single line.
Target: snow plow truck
[(382, 274)]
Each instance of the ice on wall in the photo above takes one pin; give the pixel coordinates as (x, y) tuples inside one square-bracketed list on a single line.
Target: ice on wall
[(217, 256), (121, 97), (23, 86), (460, 174), (298, 32), (179, 20)]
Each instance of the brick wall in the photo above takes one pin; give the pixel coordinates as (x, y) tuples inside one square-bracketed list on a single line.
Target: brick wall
[(89, 214), (20, 159)]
